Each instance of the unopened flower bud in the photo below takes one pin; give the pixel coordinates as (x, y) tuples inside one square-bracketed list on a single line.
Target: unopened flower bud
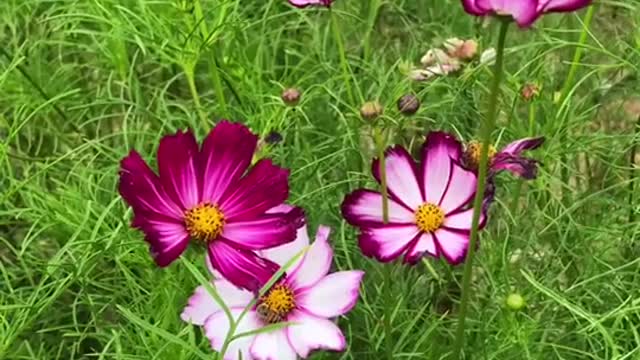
[(529, 91), (408, 104), (273, 138), (435, 56), (371, 110), (291, 96), (488, 57), (515, 302)]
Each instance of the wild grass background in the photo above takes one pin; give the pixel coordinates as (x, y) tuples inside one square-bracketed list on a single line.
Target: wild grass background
[(84, 81)]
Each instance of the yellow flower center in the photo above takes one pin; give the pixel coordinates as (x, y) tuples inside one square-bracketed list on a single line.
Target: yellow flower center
[(429, 217), (204, 222), (276, 304), (472, 154)]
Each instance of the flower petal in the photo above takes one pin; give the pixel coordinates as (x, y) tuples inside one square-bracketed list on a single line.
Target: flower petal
[(264, 232), (316, 261), (177, 166), (438, 151), (142, 190), (201, 304), (517, 165), (461, 220), (265, 186), (524, 12), (516, 147), (273, 345), (334, 295), (364, 208), (460, 189), (423, 244), (226, 154), (283, 253), (562, 5), (305, 3), (387, 242), (242, 268), (472, 8), (402, 181), (452, 244), (313, 333), (217, 329), (167, 238)]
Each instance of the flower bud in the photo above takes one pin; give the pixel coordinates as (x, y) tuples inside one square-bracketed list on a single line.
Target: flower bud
[(515, 302), (273, 138), (529, 91), (488, 57), (371, 110), (435, 56), (408, 104), (291, 96)]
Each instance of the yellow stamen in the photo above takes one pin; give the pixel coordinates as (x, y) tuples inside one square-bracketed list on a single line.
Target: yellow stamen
[(276, 304), (429, 217), (204, 222), (471, 156)]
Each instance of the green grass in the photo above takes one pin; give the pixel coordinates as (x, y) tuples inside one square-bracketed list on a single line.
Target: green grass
[(77, 283)]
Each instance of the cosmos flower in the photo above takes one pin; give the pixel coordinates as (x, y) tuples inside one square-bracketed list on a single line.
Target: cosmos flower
[(509, 158), (428, 205), (305, 3), (307, 297), (524, 12), (211, 196)]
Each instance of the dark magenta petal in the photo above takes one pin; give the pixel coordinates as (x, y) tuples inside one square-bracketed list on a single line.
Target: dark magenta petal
[(178, 168), (242, 268), (141, 189), (226, 154), (563, 5), (265, 231), (265, 186), (520, 166), (517, 147), (474, 8), (305, 3), (166, 237)]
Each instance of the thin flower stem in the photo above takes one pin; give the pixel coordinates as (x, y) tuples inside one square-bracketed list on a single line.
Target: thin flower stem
[(188, 71), (389, 306), (632, 170), (380, 144), (346, 73), (485, 136)]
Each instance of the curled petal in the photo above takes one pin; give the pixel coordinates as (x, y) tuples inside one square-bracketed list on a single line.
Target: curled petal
[(226, 154), (310, 332), (387, 242), (265, 186), (201, 304), (517, 147), (517, 165), (562, 5), (334, 295), (364, 208), (178, 168), (242, 268)]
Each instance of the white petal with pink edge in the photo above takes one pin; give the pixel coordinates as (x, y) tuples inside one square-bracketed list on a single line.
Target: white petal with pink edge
[(460, 189), (436, 165), (316, 261), (217, 329), (273, 345), (401, 177), (365, 206), (425, 244), (310, 332), (461, 220), (387, 242), (201, 304), (453, 245), (283, 253), (334, 295)]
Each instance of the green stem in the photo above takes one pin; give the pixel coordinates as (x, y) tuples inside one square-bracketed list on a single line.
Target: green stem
[(374, 6), (380, 144), (485, 137), (214, 70), (343, 58), (632, 169), (188, 71), (389, 306)]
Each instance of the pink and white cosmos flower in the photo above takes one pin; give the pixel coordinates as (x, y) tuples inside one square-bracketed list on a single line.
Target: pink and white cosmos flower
[(428, 205), (524, 12), (213, 196), (307, 297)]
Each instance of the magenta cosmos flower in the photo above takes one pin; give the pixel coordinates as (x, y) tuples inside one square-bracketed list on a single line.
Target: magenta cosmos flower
[(428, 205), (509, 158), (307, 297), (524, 12), (211, 195), (305, 3)]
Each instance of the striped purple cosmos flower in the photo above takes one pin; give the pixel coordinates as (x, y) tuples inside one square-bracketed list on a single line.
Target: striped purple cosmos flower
[(429, 205), (305, 3), (524, 12), (509, 159), (211, 195), (307, 297)]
